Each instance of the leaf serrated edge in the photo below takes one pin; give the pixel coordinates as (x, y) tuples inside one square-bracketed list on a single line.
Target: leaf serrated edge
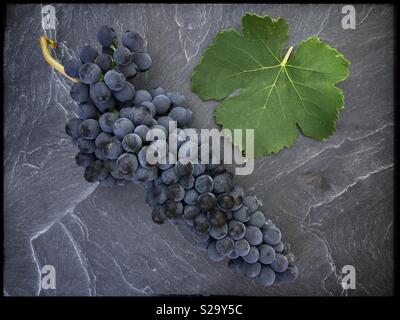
[(347, 74), (202, 59)]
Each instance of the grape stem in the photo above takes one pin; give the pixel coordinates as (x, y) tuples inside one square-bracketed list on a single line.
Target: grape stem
[(45, 43)]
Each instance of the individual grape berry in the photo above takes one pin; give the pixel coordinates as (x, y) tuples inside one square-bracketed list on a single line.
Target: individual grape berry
[(219, 232), (235, 265), (181, 115), (176, 192), (279, 247), (151, 107), (100, 93), (242, 247), (191, 197), (122, 127), (157, 91), (272, 235), (169, 176), (237, 230), (253, 235), (201, 224), (127, 163), (71, 68), (206, 201), (89, 129), (141, 96), (122, 56), (223, 182), (89, 73), (225, 201), (224, 246), (280, 264), (204, 183), (106, 121), (267, 254), (106, 36), (115, 80), (213, 254), (129, 71), (251, 202), (242, 214), (106, 105), (133, 41), (187, 182), (102, 139), (162, 104), (266, 276), (177, 99), (88, 54), (173, 209), (113, 149), (80, 92), (72, 127), (252, 256), (86, 146), (190, 213), (142, 60), (105, 62), (158, 214), (217, 217), (289, 275), (164, 121), (142, 115), (131, 142), (251, 270), (86, 110), (126, 94), (83, 159), (257, 219), (95, 171)]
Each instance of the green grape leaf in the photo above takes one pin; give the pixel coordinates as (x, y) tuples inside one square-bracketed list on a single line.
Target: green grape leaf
[(280, 91)]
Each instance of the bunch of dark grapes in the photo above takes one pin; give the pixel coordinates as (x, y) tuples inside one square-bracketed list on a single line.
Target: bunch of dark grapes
[(224, 221), (114, 119)]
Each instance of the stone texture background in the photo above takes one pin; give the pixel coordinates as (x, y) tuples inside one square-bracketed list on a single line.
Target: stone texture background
[(333, 201)]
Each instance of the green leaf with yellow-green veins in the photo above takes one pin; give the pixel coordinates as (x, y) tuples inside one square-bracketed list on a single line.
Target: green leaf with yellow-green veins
[(280, 90)]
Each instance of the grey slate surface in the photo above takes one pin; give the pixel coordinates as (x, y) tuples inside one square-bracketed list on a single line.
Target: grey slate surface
[(333, 201)]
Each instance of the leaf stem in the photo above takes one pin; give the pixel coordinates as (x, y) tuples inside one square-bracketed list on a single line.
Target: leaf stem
[(45, 43), (286, 58)]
